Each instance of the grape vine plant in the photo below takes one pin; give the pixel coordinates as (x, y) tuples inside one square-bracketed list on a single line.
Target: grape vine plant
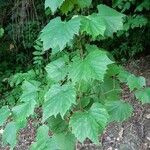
[(79, 91)]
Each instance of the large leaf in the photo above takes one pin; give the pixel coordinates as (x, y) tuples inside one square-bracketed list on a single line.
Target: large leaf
[(89, 124), (65, 141), (58, 100), (119, 110), (20, 77), (4, 114), (135, 82), (93, 25), (123, 75), (56, 34), (143, 95), (109, 89), (94, 66), (22, 111), (53, 4), (10, 134), (29, 98), (57, 69), (30, 91), (112, 19), (41, 138), (61, 141)]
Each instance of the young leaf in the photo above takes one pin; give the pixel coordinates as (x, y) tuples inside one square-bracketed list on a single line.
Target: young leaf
[(94, 66), (67, 6), (114, 70), (56, 34), (20, 77), (89, 124), (57, 69), (16, 79), (113, 20), (123, 75), (135, 82), (1, 32), (10, 134), (143, 95), (4, 114), (93, 25), (53, 4), (119, 110), (58, 100)]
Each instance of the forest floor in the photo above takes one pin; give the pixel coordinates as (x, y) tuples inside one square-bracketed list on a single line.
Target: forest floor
[(133, 134)]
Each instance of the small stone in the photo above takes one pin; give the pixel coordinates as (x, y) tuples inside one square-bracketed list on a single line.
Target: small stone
[(1, 131), (148, 116), (110, 148), (108, 138), (148, 138)]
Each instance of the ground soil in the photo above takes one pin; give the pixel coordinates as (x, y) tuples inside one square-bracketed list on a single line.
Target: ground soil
[(133, 134)]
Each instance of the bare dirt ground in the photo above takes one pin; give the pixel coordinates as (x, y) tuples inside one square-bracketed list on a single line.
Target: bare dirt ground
[(133, 134)]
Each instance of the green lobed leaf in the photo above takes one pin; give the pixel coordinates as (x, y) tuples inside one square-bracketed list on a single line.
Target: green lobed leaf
[(109, 89), (57, 69), (89, 124), (10, 134), (24, 110), (61, 141), (16, 79), (29, 98), (113, 20), (135, 82), (65, 141), (20, 77), (58, 100), (53, 4), (41, 138), (114, 70), (143, 95), (93, 25), (4, 114), (56, 34), (119, 110), (94, 66), (123, 75), (30, 91)]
